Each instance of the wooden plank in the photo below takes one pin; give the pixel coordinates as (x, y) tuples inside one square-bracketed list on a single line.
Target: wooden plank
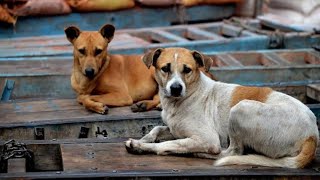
[(57, 111), (235, 39), (199, 34), (270, 76), (63, 118), (32, 77), (59, 130), (234, 31), (163, 36), (276, 59), (300, 58), (139, 17), (17, 165), (113, 156), (44, 47), (251, 59), (40, 106), (313, 91), (35, 86), (97, 159), (60, 66), (228, 60), (121, 38)]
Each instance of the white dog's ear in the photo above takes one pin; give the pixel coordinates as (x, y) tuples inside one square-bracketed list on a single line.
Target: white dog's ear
[(202, 60), (107, 31), (72, 33), (151, 57)]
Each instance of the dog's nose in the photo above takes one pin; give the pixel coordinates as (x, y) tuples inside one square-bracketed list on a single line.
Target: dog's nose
[(89, 72), (176, 89)]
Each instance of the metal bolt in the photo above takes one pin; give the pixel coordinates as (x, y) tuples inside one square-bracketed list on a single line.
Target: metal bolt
[(58, 172), (114, 171)]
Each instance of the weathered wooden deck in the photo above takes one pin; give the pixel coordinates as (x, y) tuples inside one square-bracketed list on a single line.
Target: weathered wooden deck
[(38, 105), (50, 77), (137, 17), (109, 159), (65, 118), (207, 37)]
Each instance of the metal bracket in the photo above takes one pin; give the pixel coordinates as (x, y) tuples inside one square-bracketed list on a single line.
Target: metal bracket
[(7, 90), (38, 133), (84, 131), (101, 134)]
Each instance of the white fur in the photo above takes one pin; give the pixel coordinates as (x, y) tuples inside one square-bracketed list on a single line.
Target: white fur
[(202, 121), (175, 57), (176, 79)]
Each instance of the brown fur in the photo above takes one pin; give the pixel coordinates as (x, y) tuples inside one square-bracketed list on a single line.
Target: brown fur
[(185, 58), (307, 153), (250, 93), (118, 80)]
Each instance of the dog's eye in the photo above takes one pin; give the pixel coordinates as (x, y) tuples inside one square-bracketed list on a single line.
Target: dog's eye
[(186, 70), (82, 51), (97, 52), (165, 69)]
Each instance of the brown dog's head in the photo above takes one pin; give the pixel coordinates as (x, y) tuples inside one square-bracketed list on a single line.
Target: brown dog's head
[(90, 48), (176, 69)]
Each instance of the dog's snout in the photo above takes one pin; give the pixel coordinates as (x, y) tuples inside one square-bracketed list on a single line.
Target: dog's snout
[(89, 72), (176, 89)]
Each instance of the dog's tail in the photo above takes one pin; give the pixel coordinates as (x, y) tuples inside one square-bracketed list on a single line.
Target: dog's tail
[(306, 155)]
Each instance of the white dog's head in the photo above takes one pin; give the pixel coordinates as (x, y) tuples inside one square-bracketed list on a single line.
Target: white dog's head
[(176, 69)]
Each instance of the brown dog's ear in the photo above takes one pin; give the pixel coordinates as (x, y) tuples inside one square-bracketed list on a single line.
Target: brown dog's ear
[(107, 31), (72, 33), (151, 57), (202, 60)]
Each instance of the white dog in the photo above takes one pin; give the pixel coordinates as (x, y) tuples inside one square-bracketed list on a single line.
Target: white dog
[(202, 114)]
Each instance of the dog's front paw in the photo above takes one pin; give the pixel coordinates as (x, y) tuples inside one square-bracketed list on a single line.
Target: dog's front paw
[(139, 107), (133, 146), (103, 109), (159, 107)]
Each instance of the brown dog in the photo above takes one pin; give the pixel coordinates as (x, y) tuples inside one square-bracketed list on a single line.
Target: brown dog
[(103, 80)]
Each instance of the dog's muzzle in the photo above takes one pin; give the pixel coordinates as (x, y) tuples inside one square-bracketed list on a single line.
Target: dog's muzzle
[(176, 89), (89, 73)]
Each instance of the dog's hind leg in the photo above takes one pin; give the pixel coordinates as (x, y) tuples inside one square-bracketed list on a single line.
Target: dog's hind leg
[(236, 145), (146, 105)]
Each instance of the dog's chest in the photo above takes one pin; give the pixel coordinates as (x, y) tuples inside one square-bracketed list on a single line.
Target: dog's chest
[(181, 123)]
